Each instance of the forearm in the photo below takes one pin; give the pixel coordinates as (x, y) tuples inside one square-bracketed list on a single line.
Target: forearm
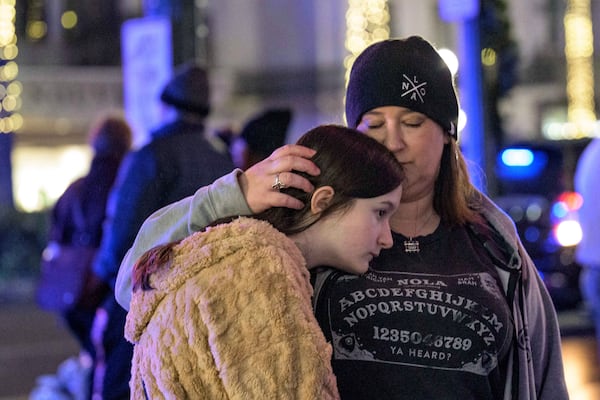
[(176, 221)]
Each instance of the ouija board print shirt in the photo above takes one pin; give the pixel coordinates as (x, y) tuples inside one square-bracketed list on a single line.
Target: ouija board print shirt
[(427, 325)]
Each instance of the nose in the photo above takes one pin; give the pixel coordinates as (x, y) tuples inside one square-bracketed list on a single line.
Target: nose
[(394, 138), (385, 237)]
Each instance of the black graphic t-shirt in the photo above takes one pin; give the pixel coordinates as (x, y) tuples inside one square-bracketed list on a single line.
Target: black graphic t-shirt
[(427, 325)]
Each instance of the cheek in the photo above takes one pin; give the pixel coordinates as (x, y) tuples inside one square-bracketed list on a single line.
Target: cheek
[(362, 238), (357, 230), (434, 157), (351, 239), (430, 155)]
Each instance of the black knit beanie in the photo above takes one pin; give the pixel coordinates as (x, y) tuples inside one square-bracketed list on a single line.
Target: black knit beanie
[(402, 72), (188, 90), (267, 131)]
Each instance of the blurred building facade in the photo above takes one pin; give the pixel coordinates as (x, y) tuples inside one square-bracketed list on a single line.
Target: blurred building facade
[(260, 53)]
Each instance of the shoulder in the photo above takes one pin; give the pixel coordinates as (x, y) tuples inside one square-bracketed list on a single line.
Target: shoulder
[(240, 234), (76, 186), (237, 249), (177, 128), (170, 128), (71, 193), (498, 233), (499, 220)]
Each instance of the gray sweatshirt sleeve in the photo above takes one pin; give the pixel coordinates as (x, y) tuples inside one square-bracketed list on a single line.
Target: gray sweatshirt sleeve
[(223, 198)]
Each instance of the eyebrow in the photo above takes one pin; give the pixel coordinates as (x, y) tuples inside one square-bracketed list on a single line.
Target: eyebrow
[(388, 204), (372, 113)]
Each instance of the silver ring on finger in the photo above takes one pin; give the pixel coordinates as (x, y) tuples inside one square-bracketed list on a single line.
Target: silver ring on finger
[(278, 185)]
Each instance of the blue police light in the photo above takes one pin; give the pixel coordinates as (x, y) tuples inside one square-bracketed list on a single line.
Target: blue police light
[(515, 163), (517, 157)]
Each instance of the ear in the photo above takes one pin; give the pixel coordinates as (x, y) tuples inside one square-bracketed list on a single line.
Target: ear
[(447, 138), (321, 198)]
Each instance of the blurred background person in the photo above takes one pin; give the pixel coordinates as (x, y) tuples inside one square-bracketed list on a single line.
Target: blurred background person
[(260, 136), (77, 217), (587, 183), (174, 164)]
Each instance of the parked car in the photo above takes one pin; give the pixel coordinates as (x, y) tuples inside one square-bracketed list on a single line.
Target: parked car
[(532, 189)]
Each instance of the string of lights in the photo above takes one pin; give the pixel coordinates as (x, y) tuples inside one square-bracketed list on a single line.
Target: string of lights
[(10, 89), (366, 22), (579, 51)]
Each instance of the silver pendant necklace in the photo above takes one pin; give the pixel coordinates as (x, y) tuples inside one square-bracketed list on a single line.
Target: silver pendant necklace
[(411, 245)]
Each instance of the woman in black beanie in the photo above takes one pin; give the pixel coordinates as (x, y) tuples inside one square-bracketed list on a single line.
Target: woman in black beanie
[(455, 309)]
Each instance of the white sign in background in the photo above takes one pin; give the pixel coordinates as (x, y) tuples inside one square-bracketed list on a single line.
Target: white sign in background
[(147, 62)]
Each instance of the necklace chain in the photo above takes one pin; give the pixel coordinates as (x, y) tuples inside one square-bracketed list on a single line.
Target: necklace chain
[(411, 245), (422, 226)]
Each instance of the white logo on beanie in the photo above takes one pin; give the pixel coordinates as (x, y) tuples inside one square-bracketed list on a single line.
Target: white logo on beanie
[(413, 88)]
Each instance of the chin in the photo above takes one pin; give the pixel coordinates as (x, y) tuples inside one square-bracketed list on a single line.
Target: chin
[(359, 270)]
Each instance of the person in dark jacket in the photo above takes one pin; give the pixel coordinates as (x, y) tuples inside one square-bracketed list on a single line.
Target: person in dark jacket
[(176, 161), (77, 216)]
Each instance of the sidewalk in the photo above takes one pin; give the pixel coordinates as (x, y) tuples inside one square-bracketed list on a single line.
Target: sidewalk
[(32, 343)]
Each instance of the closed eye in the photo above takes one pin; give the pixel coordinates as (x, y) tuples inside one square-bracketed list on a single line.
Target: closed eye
[(374, 125), (414, 123)]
